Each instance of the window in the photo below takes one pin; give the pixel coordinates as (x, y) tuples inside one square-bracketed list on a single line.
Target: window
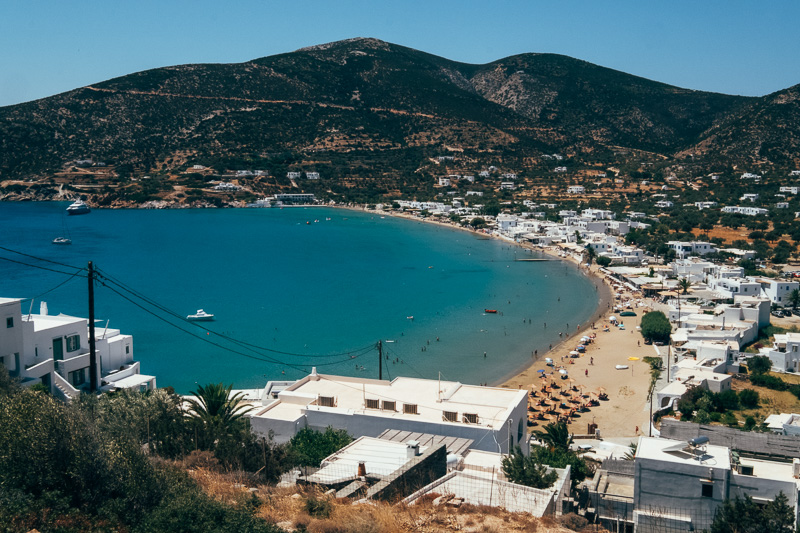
[(73, 343), (410, 409), (326, 401), (127, 350), (708, 490), (450, 416), (389, 406), (77, 378), (470, 418), (372, 404), (10, 322)]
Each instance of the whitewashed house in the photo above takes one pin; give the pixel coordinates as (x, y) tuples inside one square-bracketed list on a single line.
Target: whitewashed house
[(749, 211), (777, 290), (576, 189), (495, 418), (312, 175), (54, 350)]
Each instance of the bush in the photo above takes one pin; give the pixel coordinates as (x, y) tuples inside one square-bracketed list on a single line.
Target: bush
[(318, 507), (749, 423), (749, 398), (760, 364), (728, 400), (574, 522), (655, 325), (686, 408), (769, 381), (730, 420)]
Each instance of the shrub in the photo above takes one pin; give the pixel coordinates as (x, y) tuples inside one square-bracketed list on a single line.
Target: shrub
[(655, 325), (760, 364), (749, 423), (730, 420), (318, 507), (749, 398), (769, 381), (574, 522), (728, 400)]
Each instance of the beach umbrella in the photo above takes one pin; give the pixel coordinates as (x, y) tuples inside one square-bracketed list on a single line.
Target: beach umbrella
[(541, 371)]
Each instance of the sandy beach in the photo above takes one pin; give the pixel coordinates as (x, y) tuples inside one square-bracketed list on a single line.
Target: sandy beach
[(626, 410)]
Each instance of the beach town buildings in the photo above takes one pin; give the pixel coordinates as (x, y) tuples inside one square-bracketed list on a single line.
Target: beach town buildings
[(54, 350), (784, 352), (494, 418), (682, 249), (679, 485), (749, 211)]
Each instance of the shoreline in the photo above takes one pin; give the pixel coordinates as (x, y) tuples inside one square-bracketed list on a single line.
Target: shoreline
[(604, 294)]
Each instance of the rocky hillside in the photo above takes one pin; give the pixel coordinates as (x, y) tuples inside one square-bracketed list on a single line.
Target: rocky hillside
[(363, 108)]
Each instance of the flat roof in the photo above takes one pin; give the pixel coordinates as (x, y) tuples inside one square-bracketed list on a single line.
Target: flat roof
[(432, 398), (381, 457), (673, 451), (131, 381)]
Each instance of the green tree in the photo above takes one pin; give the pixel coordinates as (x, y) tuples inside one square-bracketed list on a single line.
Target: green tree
[(555, 436), (684, 284), (749, 398), (603, 260), (216, 414), (309, 447), (759, 364), (590, 254), (525, 470), (743, 515), (656, 326), (794, 298)]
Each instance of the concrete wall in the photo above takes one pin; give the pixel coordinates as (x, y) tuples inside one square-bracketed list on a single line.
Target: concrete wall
[(11, 338), (412, 476), (663, 486)]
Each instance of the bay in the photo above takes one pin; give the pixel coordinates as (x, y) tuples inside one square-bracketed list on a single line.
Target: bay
[(296, 288)]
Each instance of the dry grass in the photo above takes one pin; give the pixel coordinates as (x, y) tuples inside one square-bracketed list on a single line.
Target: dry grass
[(771, 401), (286, 507)]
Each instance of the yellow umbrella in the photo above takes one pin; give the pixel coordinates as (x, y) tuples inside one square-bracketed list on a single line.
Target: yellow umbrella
[(633, 358)]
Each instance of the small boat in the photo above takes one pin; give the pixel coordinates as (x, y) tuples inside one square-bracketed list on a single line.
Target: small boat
[(78, 207), (200, 316), (62, 240), (492, 311), (621, 367)]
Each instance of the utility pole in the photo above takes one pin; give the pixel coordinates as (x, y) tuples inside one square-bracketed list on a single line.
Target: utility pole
[(92, 352), (380, 359)]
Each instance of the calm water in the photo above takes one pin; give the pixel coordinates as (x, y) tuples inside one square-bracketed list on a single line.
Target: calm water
[(312, 283)]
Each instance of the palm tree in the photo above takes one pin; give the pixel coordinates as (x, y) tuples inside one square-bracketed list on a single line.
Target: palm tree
[(590, 253), (684, 284), (216, 413), (794, 298), (555, 436)]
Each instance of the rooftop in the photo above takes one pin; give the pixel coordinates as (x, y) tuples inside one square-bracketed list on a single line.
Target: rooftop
[(679, 452), (423, 399)]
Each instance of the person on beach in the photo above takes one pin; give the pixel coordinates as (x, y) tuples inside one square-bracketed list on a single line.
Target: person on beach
[(587, 372), (591, 360)]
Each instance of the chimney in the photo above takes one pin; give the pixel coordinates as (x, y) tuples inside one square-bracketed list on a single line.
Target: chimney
[(412, 449), (43, 308), (796, 468), (362, 469), (313, 372)]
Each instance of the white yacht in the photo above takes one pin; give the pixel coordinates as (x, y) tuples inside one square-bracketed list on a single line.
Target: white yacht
[(78, 207), (200, 316)]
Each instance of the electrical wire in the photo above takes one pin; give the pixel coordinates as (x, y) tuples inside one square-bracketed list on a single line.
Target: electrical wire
[(42, 267), (258, 357), (228, 338), (41, 258), (56, 287)]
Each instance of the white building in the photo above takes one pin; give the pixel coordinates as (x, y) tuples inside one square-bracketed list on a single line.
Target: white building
[(444, 181), (509, 185), (777, 290), (54, 350), (576, 189), (704, 205), (790, 190), (749, 197), (293, 175), (312, 175), (598, 214), (560, 170), (785, 352), (680, 485), (682, 249), (750, 176), (496, 419), (664, 204), (749, 211)]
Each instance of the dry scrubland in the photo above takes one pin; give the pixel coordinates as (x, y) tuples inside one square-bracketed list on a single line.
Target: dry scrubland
[(289, 509)]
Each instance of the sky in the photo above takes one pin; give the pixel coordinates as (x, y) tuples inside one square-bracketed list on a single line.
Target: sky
[(743, 47)]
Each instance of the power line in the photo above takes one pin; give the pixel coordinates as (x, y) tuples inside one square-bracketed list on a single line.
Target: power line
[(258, 357), (41, 258), (228, 338), (42, 267)]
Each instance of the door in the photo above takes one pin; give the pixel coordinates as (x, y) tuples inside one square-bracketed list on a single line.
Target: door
[(58, 349)]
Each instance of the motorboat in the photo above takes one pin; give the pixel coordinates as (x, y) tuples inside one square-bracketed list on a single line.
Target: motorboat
[(62, 240), (492, 311), (78, 207), (200, 316)]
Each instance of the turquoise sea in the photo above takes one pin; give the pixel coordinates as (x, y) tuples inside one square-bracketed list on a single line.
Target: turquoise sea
[(295, 288)]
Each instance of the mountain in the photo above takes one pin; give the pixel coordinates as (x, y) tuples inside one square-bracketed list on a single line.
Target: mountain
[(364, 109)]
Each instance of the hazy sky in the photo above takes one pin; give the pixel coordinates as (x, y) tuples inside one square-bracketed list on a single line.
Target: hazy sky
[(731, 46)]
